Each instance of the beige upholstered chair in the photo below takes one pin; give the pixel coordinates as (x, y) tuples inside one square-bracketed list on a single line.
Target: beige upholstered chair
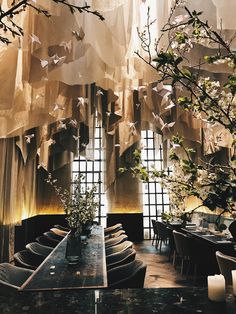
[(226, 263), (119, 248), (12, 278), (116, 240), (131, 275)]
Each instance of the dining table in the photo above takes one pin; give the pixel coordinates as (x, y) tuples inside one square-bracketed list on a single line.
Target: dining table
[(217, 239), (56, 273)]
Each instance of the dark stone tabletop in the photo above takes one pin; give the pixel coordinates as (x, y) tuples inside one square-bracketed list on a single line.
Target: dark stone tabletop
[(127, 301)]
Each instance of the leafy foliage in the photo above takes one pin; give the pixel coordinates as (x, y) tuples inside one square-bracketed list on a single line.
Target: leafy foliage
[(214, 102), (79, 205)]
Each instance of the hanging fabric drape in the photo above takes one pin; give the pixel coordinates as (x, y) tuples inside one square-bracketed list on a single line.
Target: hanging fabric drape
[(63, 69)]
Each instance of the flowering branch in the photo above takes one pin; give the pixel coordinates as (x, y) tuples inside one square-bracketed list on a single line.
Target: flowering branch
[(9, 27), (79, 204)]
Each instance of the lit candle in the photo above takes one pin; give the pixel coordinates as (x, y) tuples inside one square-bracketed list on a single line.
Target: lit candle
[(234, 281), (216, 288)]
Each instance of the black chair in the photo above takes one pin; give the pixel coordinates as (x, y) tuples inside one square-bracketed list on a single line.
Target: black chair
[(39, 249), (51, 235), (232, 229), (12, 278), (120, 258), (115, 241), (182, 249), (27, 259), (115, 234), (163, 234), (226, 263), (119, 248), (46, 241), (131, 275), (155, 232), (112, 229)]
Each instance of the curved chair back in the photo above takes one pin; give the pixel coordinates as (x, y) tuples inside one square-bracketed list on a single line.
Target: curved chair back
[(162, 230), (115, 241), (115, 234), (12, 277), (46, 241), (226, 263), (182, 244), (130, 275), (120, 258), (113, 228), (39, 249), (27, 259), (62, 228), (53, 236), (154, 226), (232, 229), (119, 248), (59, 232)]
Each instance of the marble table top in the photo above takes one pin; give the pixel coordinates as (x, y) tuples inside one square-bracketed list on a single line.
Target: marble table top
[(106, 301)]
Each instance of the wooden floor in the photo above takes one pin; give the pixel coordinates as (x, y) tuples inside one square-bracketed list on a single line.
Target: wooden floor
[(160, 271)]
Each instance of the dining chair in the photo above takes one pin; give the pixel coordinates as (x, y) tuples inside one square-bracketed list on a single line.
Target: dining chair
[(131, 275), (39, 249), (120, 258), (27, 259), (114, 234), (112, 229), (12, 277), (182, 249), (44, 240), (115, 241), (53, 236), (232, 229), (119, 248), (59, 232), (226, 263), (62, 228), (163, 234), (155, 232)]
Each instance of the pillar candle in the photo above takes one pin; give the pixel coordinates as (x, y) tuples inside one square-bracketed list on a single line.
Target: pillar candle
[(234, 281), (216, 288)]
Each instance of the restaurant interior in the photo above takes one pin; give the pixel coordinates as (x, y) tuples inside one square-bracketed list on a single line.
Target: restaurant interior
[(118, 156)]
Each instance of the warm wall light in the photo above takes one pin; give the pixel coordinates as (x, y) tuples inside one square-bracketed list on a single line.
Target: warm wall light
[(126, 210), (193, 202)]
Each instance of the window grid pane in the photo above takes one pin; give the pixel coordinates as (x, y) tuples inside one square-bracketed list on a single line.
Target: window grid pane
[(92, 172), (155, 198)]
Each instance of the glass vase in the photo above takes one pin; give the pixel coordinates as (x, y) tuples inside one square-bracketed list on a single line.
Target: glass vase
[(73, 247)]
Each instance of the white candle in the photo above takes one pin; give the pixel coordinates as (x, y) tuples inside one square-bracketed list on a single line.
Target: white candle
[(234, 281), (216, 288)]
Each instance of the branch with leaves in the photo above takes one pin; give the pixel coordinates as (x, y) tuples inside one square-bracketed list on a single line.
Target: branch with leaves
[(10, 29), (214, 102), (80, 205)]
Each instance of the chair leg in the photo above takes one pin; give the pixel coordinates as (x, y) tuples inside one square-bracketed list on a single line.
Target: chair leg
[(195, 274), (154, 238), (174, 259), (160, 245), (188, 268), (182, 266)]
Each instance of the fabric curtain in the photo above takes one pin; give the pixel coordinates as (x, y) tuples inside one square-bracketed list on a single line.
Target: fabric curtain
[(64, 69)]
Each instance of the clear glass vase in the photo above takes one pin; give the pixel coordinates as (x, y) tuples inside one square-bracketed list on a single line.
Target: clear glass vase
[(73, 247)]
